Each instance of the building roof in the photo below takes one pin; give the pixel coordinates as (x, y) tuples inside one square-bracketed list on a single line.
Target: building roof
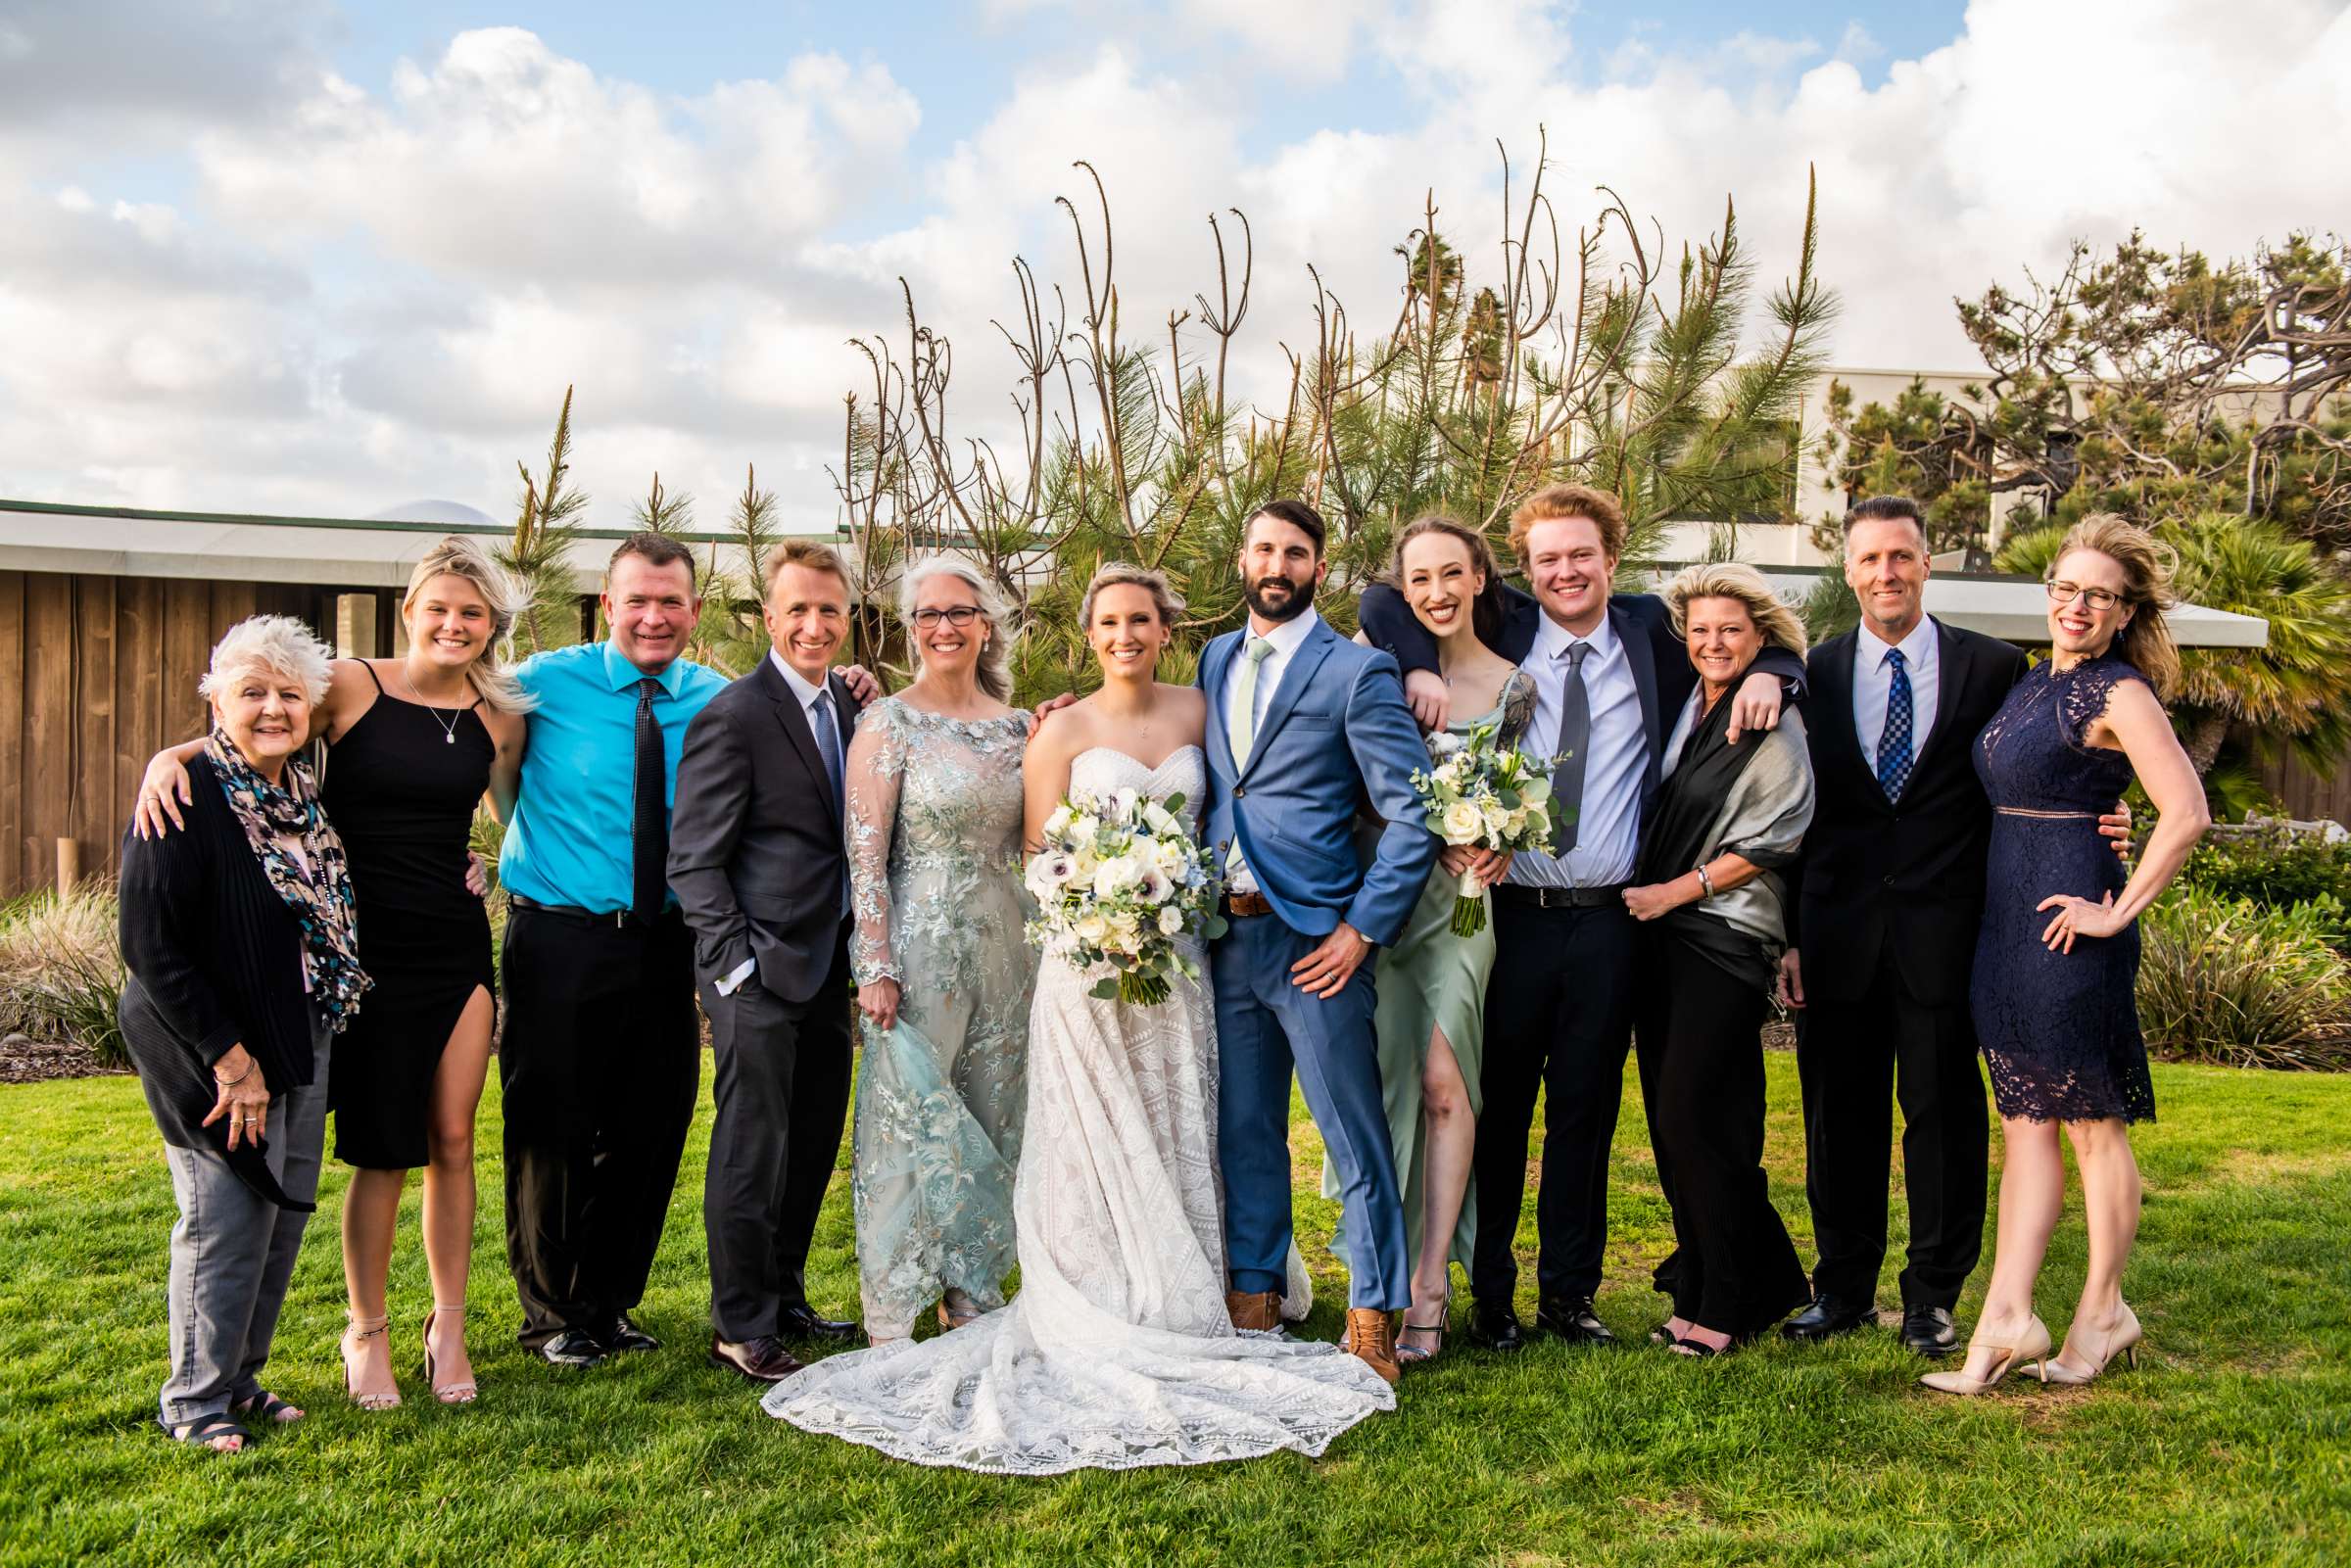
[(360, 552)]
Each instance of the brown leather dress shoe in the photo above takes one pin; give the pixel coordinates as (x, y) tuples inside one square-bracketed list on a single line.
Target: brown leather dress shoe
[(762, 1361), (1253, 1311), (1370, 1337)]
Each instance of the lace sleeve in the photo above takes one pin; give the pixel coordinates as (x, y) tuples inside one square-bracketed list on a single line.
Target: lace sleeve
[(2083, 701), (877, 763)]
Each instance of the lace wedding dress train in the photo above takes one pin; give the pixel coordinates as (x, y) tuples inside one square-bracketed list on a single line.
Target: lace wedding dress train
[(1117, 1353)]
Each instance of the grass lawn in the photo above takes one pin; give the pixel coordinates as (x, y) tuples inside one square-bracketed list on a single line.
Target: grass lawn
[(2231, 1443)]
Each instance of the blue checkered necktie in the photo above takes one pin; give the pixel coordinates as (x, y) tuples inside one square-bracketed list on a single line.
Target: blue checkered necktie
[(1894, 746)]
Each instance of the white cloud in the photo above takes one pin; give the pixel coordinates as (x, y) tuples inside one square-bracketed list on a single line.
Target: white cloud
[(373, 290)]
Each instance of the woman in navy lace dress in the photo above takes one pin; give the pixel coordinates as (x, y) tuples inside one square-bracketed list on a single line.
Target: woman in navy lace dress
[(2057, 957)]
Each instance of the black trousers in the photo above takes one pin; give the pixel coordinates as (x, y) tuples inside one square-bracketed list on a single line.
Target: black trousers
[(1733, 1269), (1856, 1059), (599, 1062), (1558, 1023), (781, 1096)]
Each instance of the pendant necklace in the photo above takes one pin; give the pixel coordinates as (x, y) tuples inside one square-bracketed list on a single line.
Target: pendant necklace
[(449, 730)]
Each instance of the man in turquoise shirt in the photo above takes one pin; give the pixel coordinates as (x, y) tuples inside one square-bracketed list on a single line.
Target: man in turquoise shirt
[(599, 1057)]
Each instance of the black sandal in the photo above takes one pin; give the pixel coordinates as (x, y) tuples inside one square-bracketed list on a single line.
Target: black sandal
[(205, 1430), (267, 1407), (1412, 1354)]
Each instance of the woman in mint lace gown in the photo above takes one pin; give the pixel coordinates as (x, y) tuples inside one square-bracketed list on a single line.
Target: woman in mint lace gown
[(1432, 985), (1118, 1352), (943, 977)]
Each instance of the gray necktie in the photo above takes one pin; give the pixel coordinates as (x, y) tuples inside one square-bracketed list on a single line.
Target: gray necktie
[(1575, 734)]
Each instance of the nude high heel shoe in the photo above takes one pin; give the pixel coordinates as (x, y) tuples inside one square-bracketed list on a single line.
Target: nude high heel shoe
[(355, 1338), (2031, 1346), (2124, 1343)]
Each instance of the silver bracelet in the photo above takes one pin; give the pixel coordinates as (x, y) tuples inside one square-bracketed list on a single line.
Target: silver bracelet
[(1705, 881)]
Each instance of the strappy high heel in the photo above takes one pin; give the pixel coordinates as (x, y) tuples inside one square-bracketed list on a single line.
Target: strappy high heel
[(955, 1308), (361, 1330), (459, 1393), (2031, 1346), (1414, 1353), (2124, 1343)]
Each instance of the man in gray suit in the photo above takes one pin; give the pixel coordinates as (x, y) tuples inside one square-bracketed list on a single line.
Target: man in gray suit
[(757, 863)]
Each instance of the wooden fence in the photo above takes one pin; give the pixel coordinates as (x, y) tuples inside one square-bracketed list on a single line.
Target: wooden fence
[(96, 674)]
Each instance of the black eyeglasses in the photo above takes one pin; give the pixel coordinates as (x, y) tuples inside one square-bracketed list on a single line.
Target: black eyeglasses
[(2062, 593), (958, 616)]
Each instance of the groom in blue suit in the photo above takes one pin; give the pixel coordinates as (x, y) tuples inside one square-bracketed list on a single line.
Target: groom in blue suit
[(1305, 727)]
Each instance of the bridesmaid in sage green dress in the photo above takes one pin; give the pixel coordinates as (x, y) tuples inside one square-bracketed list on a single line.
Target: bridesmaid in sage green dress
[(1432, 985)]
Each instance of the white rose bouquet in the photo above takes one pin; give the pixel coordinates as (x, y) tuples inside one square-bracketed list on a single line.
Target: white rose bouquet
[(1120, 877), (1484, 796)]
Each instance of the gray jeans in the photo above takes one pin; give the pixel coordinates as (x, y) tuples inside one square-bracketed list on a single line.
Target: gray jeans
[(232, 1254)]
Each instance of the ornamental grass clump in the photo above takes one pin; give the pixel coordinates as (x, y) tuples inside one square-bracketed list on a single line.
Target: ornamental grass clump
[(60, 970), (2227, 980)]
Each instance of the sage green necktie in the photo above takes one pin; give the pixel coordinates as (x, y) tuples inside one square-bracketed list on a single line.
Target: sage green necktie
[(1244, 732)]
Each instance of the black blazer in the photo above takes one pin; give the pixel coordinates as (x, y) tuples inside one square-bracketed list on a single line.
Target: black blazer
[(1659, 659), (755, 843), (215, 955), (1875, 874)]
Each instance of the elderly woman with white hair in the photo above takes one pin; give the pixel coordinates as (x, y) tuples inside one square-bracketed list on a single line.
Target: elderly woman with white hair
[(943, 977), (241, 942), (1729, 817)]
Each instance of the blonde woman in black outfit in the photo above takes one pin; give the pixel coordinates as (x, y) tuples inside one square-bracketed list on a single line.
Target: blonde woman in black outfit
[(413, 744)]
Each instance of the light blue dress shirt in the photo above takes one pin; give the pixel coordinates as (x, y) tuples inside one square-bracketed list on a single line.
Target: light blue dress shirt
[(569, 840)]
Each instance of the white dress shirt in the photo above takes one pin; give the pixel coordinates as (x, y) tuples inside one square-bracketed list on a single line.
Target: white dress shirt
[(1616, 758), (1873, 678), (807, 696), (1287, 638)]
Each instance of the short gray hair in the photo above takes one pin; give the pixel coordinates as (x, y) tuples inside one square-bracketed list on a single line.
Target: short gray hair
[(279, 644)]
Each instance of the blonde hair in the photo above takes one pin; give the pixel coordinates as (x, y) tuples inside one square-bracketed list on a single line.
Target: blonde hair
[(2145, 640), (1773, 615), (462, 557), (278, 645), (995, 677), (807, 553), (1554, 503), (1126, 574)]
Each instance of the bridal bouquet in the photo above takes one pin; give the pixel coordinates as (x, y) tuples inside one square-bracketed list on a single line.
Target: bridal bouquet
[(1120, 878), (1484, 796)]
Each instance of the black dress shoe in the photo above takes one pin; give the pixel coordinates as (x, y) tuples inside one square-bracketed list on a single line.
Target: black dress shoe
[(1826, 1317), (1494, 1326), (572, 1347), (625, 1335), (1571, 1318), (801, 1322), (1927, 1330), (762, 1361)]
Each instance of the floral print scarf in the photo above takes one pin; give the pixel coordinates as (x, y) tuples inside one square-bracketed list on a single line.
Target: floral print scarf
[(317, 886)]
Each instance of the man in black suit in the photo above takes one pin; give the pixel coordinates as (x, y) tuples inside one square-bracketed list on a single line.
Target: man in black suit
[(1890, 892), (757, 863), (1611, 677)]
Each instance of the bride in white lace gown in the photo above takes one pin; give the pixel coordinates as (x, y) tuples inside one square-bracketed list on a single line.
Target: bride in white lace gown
[(1118, 1352)]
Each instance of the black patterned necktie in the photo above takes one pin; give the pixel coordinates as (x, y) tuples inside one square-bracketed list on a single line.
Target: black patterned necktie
[(1574, 737), (648, 827)]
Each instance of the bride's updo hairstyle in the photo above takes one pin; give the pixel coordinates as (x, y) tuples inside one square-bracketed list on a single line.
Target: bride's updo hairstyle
[(994, 668), (1126, 574)]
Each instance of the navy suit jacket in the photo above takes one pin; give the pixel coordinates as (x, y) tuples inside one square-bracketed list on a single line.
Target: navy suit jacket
[(1336, 736)]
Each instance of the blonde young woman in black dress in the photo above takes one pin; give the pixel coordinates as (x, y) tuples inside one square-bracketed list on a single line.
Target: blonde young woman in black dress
[(413, 744)]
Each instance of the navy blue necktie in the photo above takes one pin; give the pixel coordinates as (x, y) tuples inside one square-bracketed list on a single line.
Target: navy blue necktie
[(648, 827), (1894, 746)]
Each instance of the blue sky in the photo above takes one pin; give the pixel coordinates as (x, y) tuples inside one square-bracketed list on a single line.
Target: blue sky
[(319, 255)]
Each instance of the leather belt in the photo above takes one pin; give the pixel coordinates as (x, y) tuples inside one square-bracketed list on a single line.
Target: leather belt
[(1246, 905), (1562, 897), (617, 919)]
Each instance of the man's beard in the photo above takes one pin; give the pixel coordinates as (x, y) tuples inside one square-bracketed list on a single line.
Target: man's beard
[(1289, 609)]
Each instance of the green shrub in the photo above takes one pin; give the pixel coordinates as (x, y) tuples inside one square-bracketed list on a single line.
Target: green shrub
[(2224, 980), (61, 969), (2271, 867)]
